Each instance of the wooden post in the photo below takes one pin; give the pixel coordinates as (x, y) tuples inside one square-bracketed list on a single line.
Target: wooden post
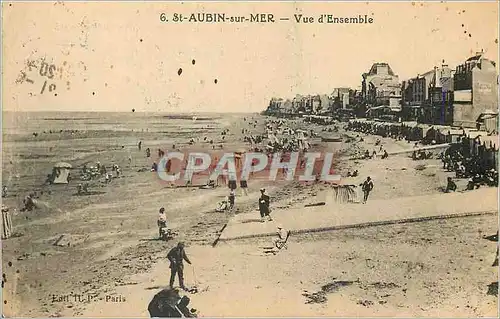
[(6, 224)]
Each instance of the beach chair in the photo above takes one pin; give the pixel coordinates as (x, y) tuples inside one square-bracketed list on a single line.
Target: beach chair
[(280, 244), (222, 206), (167, 233)]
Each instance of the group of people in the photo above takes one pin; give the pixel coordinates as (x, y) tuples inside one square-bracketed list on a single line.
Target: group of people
[(398, 131), (418, 155), (35, 134), (373, 155), (177, 255), (89, 173), (469, 158), (82, 188), (490, 178), (330, 129), (228, 203), (278, 137)]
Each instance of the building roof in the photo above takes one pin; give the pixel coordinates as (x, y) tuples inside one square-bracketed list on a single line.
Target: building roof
[(475, 57), (373, 69)]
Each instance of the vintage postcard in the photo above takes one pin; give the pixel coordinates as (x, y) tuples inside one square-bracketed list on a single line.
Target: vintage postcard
[(250, 159)]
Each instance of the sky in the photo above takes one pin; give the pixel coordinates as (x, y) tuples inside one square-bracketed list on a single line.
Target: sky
[(119, 56)]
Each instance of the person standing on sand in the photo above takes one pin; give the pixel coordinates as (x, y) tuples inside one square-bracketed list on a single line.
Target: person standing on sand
[(367, 187), (162, 221), (264, 206), (232, 196), (244, 186), (176, 256), (139, 145)]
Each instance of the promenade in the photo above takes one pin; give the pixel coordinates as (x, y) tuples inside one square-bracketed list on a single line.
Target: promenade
[(333, 216)]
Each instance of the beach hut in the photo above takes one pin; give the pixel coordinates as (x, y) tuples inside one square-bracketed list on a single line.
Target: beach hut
[(454, 136), (60, 173), (490, 120)]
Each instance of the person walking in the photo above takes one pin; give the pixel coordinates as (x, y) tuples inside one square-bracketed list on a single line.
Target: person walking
[(367, 187), (162, 222), (176, 256), (264, 205)]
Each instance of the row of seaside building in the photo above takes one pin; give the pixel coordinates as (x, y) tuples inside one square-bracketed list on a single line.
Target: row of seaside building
[(466, 96)]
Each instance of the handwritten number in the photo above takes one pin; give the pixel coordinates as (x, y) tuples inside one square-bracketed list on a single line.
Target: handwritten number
[(43, 88)]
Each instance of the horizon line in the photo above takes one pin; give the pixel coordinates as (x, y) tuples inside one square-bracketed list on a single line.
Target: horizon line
[(109, 111)]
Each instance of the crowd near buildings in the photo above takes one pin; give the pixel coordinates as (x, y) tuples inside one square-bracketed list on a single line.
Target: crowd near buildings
[(466, 96)]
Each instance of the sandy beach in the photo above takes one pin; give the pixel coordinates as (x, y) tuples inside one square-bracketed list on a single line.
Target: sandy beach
[(430, 269)]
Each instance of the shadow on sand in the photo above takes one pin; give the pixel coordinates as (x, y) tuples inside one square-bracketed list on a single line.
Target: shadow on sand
[(493, 237), (154, 288), (89, 193), (493, 289), (255, 220)]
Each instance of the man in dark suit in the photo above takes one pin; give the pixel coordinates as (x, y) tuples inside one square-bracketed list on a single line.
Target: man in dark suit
[(264, 206), (367, 187), (176, 256)]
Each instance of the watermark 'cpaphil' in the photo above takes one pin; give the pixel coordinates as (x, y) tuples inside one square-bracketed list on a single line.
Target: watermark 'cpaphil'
[(198, 168)]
